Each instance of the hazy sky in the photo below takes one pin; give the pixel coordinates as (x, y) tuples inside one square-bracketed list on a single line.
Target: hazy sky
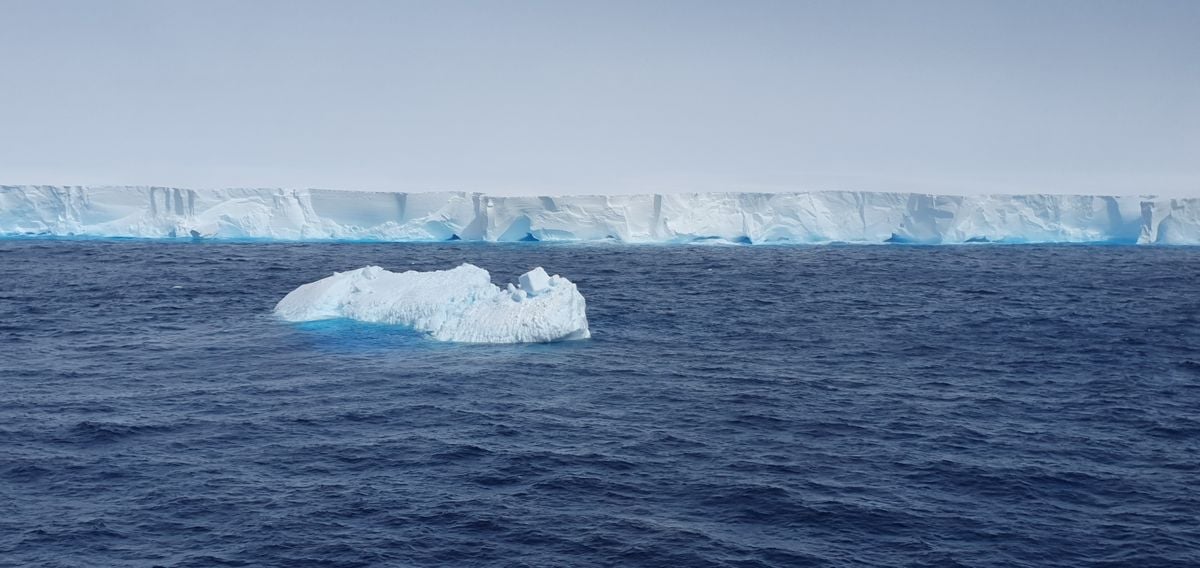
[(570, 96)]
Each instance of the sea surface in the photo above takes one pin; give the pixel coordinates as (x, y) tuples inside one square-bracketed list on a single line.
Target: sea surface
[(737, 406)]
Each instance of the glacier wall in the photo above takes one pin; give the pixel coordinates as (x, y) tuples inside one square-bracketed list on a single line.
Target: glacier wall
[(808, 217)]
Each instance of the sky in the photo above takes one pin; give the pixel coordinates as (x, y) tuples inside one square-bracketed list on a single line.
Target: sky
[(574, 96)]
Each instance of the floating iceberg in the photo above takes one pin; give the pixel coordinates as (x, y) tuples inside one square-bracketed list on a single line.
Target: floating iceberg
[(459, 305), (746, 218)]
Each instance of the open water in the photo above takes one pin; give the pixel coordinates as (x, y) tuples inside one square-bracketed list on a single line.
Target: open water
[(737, 406)]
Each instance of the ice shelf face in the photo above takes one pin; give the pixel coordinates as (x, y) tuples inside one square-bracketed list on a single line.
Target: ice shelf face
[(749, 218), (459, 305)]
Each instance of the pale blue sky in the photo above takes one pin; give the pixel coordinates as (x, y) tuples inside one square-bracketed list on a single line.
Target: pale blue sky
[(567, 97)]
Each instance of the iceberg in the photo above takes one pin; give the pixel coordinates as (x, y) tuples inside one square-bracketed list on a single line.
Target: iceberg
[(740, 218), (460, 305)]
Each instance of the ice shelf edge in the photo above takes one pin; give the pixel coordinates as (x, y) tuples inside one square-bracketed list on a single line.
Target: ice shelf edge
[(741, 218)]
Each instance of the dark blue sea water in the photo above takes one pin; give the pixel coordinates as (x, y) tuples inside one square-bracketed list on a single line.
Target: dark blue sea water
[(737, 406)]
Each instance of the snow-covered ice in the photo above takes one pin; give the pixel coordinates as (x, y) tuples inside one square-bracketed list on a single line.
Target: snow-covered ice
[(460, 304), (743, 218), (535, 281)]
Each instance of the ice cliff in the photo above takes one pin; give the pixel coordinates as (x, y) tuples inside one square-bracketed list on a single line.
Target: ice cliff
[(459, 305), (810, 217)]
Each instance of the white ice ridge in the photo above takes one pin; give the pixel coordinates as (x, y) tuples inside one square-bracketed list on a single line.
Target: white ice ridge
[(752, 218), (460, 304)]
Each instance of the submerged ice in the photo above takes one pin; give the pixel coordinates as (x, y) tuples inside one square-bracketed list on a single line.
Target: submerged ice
[(459, 305), (745, 218)]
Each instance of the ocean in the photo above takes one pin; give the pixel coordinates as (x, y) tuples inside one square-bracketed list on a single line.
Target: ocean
[(740, 406)]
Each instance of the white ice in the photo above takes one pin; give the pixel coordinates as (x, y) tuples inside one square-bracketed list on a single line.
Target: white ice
[(459, 305), (740, 218)]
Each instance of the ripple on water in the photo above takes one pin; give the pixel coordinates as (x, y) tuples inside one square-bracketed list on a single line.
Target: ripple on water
[(737, 406)]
